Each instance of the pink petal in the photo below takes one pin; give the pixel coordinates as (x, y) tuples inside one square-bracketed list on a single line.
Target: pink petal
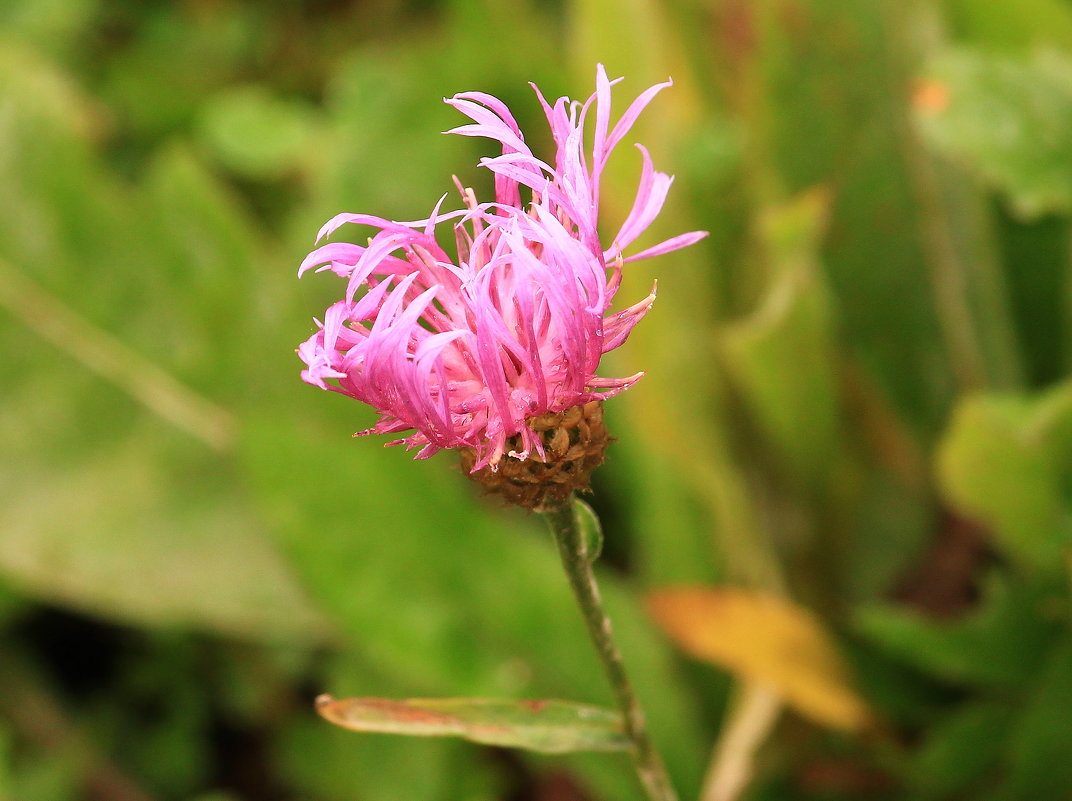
[(669, 245), (650, 197)]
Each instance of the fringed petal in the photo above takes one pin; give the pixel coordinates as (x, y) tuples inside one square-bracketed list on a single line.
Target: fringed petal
[(467, 351), (669, 245)]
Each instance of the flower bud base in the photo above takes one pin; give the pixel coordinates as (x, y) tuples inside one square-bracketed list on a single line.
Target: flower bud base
[(574, 442)]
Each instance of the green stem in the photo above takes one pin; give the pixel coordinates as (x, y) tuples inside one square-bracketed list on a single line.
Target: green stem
[(574, 548)]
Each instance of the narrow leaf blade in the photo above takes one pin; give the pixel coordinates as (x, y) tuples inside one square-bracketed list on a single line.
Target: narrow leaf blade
[(552, 727)]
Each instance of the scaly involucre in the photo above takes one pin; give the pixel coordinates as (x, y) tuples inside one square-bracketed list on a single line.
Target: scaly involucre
[(462, 352)]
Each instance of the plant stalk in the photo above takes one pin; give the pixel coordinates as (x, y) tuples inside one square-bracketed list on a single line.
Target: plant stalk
[(573, 547)]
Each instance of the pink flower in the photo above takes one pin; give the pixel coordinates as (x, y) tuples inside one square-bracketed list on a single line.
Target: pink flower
[(462, 352)]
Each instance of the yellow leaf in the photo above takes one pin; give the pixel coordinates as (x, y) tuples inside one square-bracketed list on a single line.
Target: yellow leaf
[(764, 639)]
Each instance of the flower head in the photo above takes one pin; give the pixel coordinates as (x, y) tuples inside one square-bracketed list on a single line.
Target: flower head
[(469, 351)]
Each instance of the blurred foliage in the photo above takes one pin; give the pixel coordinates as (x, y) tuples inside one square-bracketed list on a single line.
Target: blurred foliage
[(857, 399)]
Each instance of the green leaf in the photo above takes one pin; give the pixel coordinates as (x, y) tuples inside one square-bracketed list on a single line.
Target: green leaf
[(160, 550), (1012, 26), (54, 774), (591, 528), (782, 355), (11, 604), (1000, 645), (1007, 461), (53, 25), (61, 208), (959, 750), (112, 510), (892, 526), (641, 45), (256, 133), (1009, 120), (7, 750), (552, 727), (1036, 256), (137, 68), (1038, 763)]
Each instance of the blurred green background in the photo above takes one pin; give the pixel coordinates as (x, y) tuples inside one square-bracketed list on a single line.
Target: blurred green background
[(857, 397)]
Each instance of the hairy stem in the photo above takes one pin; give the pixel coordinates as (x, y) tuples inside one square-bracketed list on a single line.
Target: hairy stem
[(574, 548)]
